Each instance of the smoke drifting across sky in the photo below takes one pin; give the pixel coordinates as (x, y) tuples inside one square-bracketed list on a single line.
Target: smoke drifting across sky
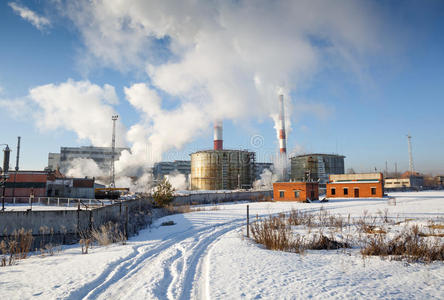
[(216, 59)]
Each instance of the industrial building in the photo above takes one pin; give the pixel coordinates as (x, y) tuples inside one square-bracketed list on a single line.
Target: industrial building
[(222, 169), (101, 155), (71, 188), (316, 167), (295, 191), (47, 184), (365, 185), (163, 168), (26, 183), (397, 183)]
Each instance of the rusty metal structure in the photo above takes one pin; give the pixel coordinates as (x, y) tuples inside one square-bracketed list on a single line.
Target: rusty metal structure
[(222, 169)]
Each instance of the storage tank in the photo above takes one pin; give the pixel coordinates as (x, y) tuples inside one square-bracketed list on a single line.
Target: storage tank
[(222, 169)]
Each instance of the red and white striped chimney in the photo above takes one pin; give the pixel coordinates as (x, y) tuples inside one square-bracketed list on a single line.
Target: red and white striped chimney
[(218, 139), (282, 137)]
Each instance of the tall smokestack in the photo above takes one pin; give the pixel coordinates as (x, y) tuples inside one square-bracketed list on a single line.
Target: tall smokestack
[(282, 137), (218, 139)]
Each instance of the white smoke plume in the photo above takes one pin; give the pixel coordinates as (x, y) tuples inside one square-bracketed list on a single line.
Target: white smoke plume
[(266, 180), (178, 181), (79, 106), (216, 59), (81, 167)]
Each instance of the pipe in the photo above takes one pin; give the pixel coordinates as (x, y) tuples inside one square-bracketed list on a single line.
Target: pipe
[(282, 136), (218, 139)]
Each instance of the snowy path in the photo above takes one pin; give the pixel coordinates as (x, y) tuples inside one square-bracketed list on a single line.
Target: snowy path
[(205, 256), (170, 269)]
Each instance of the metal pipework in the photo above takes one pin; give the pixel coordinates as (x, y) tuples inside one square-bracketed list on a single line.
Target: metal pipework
[(4, 176), (113, 149), (218, 138), (282, 136), (6, 154), (18, 154)]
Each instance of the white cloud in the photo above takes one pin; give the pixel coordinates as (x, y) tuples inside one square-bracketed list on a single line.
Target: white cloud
[(226, 59), (78, 106), (38, 21), (217, 59), (18, 108)]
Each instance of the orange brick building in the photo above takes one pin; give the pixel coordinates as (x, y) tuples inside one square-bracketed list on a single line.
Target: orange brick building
[(25, 183), (295, 191), (366, 185)]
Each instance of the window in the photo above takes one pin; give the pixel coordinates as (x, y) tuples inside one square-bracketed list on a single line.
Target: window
[(333, 191), (296, 194), (345, 191), (281, 194), (373, 191)]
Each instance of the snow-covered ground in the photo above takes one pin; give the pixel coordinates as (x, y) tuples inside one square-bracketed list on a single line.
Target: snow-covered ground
[(206, 256), (24, 207)]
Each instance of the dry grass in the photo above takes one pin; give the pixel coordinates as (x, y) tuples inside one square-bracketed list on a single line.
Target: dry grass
[(107, 234), (275, 232), (436, 226), (369, 233), (15, 247), (182, 209), (409, 245)]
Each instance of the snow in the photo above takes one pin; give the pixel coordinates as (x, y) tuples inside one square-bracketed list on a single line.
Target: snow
[(206, 255), (39, 207)]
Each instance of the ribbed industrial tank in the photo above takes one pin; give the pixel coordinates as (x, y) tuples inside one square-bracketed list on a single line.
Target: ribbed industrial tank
[(222, 169)]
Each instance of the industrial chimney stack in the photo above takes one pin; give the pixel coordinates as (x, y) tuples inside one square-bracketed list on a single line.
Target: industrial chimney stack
[(218, 139), (282, 137)]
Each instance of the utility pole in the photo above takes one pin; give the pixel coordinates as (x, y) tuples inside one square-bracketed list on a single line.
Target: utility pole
[(409, 141), (396, 170), (386, 170), (113, 150)]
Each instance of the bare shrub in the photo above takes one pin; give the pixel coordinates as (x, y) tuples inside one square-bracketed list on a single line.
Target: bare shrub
[(85, 241), (16, 246), (168, 223), (409, 244), (273, 233), (108, 233), (321, 242)]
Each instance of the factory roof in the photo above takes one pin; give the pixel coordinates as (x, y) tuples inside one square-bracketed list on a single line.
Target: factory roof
[(222, 150), (318, 154)]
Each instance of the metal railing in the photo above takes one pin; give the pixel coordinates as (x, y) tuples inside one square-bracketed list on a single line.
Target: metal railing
[(60, 202)]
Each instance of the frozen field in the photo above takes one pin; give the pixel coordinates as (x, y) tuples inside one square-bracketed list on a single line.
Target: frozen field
[(206, 256)]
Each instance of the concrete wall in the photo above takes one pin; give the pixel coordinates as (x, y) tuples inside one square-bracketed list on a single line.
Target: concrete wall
[(206, 198), (66, 224)]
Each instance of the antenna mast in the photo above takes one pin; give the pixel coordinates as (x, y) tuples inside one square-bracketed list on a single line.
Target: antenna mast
[(409, 140), (113, 150)]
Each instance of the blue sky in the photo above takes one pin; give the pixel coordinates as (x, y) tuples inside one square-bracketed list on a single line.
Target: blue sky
[(363, 114)]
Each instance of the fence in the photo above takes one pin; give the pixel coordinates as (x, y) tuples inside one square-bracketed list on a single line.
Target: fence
[(66, 224), (57, 201)]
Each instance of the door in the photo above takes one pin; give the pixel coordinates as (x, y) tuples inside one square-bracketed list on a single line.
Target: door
[(356, 193)]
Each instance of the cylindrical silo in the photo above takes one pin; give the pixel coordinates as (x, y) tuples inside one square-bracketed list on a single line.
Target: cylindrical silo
[(222, 169)]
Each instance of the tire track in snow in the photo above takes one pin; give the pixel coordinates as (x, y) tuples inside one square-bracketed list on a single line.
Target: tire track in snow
[(180, 282), (126, 268)]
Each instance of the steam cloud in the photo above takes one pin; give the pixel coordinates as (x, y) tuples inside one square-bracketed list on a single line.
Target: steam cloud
[(216, 59)]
